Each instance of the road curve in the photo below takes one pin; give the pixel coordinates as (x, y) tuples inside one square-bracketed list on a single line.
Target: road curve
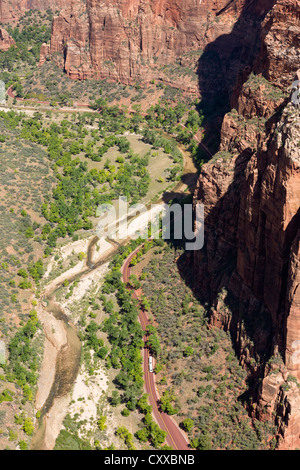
[(175, 437)]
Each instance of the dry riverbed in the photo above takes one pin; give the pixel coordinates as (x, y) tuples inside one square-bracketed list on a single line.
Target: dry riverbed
[(56, 340)]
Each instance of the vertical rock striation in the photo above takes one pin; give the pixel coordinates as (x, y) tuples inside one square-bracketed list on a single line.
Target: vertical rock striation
[(249, 267), (130, 40)]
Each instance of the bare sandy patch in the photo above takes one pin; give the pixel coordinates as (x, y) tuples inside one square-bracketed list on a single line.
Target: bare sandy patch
[(86, 282), (76, 247), (67, 274), (66, 251), (102, 247), (86, 395), (55, 338), (54, 420)]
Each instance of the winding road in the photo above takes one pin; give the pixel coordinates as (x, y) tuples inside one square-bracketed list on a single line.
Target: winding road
[(175, 437)]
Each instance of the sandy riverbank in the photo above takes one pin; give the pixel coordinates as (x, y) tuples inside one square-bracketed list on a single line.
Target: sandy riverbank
[(56, 337)]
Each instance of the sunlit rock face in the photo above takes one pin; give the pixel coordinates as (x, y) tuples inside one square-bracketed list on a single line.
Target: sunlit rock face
[(12, 10), (249, 267), (6, 41), (129, 40)]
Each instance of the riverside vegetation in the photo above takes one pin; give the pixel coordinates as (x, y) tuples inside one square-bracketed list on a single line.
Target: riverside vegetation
[(56, 169), (196, 366)]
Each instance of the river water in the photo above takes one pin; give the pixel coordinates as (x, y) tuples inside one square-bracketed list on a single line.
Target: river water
[(69, 357)]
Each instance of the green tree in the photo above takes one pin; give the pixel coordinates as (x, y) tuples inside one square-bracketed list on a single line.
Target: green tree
[(188, 351), (166, 402), (23, 273), (188, 424), (101, 423), (23, 445), (115, 399), (28, 426), (143, 434)]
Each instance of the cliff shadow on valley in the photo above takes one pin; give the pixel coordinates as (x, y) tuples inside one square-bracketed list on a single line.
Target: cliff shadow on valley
[(226, 63), (238, 304)]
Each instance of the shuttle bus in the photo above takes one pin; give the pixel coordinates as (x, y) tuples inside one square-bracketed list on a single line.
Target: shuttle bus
[(150, 364)]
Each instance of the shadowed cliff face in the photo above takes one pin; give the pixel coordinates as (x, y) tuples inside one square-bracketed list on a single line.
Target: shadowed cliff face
[(248, 270), (250, 190), (228, 60)]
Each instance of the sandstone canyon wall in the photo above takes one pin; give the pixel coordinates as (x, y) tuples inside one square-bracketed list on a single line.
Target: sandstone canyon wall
[(249, 267), (6, 41), (131, 40), (12, 10), (248, 270)]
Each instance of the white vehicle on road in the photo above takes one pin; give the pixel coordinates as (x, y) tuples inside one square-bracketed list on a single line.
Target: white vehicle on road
[(150, 364)]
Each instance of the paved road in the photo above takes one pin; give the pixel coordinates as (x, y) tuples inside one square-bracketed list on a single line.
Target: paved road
[(175, 437)]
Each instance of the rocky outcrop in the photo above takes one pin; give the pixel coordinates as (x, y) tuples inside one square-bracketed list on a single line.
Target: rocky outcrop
[(6, 41), (129, 40), (280, 53), (249, 266), (248, 270), (12, 10)]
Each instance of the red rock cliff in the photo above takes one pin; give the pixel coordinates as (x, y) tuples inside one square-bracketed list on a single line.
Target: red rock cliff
[(251, 192), (12, 10), (129, 40), (6, 41)]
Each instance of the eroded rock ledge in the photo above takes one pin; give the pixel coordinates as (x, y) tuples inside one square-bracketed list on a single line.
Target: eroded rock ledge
[(249, 267)]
